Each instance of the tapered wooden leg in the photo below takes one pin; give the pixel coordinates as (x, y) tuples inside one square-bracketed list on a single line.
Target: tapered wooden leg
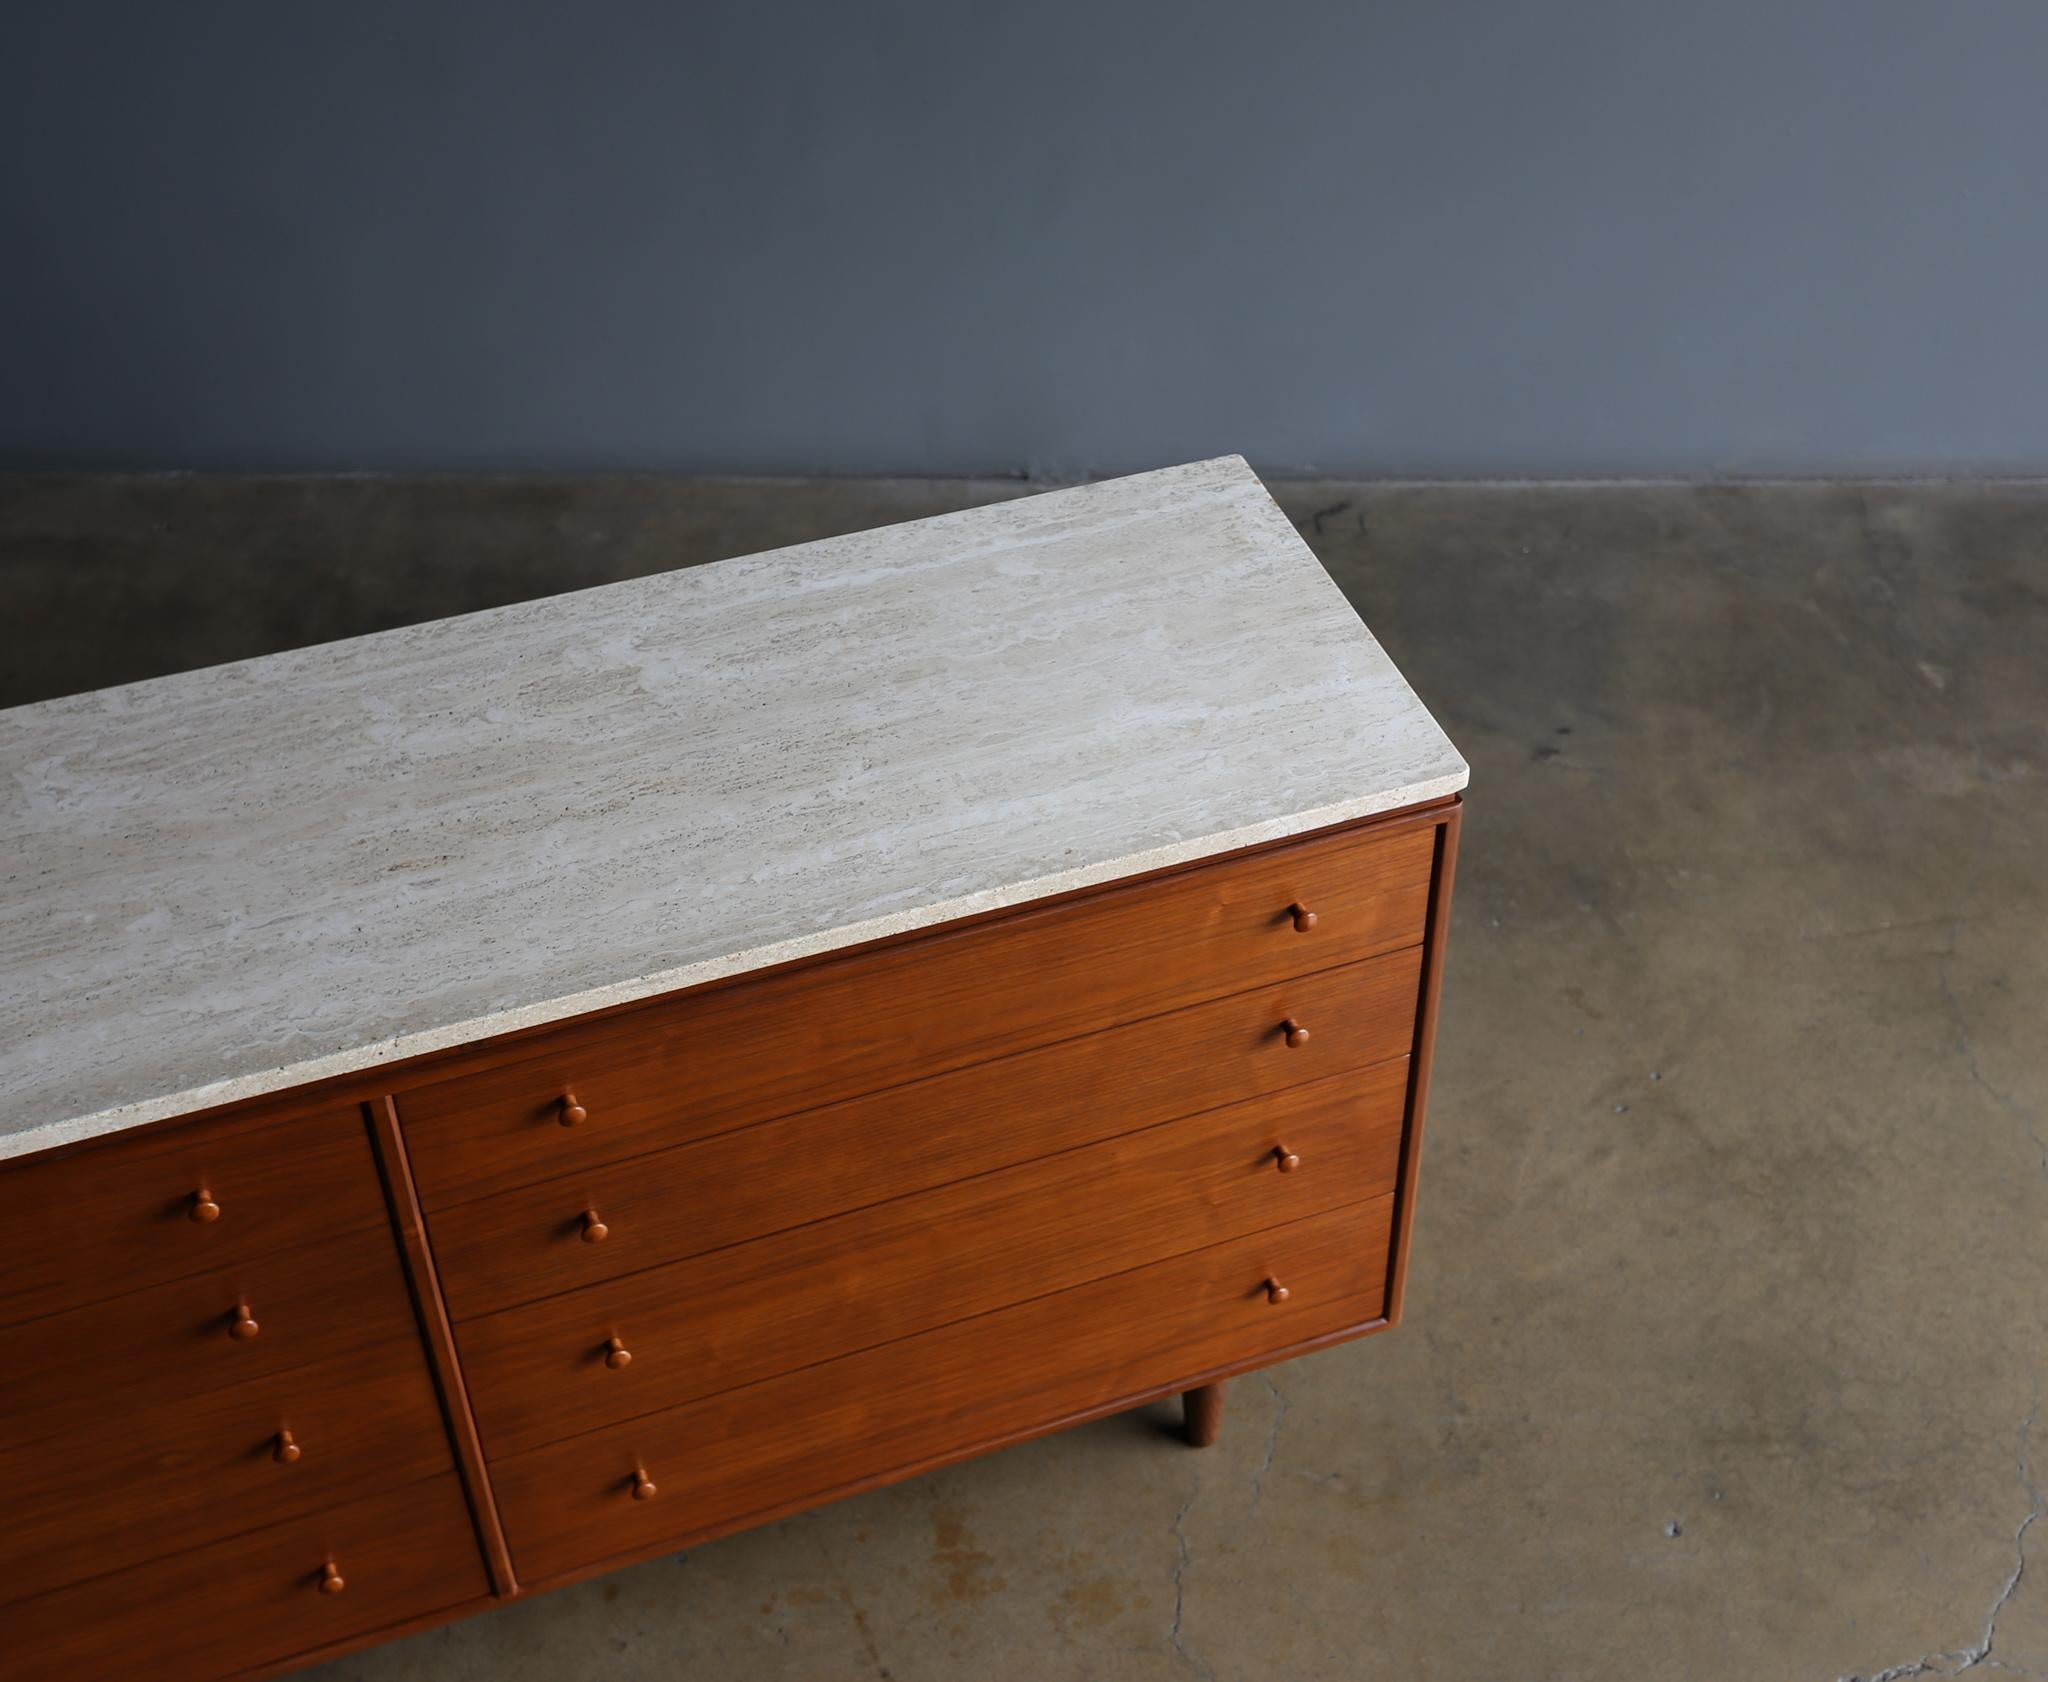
[(1203, 1411)]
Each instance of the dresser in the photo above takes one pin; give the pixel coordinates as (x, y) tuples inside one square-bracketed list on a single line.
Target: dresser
[(495, 1100)]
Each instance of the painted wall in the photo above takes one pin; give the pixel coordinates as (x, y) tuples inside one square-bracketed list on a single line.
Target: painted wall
[(1576, 237)]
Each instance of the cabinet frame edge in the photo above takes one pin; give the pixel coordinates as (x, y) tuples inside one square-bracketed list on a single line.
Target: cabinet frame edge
[(387, 1140), (1436, 934)]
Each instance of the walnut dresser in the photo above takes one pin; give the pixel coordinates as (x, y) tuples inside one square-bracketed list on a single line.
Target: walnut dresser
[(497, 1099)]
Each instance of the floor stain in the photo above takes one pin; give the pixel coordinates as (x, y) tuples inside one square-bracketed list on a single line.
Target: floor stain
[(963, 1567)]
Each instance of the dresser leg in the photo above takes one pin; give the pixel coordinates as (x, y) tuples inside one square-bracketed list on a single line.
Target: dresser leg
[(1203, 1411)]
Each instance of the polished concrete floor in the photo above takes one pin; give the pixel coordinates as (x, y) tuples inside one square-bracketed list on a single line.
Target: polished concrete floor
[(1728, 1326)]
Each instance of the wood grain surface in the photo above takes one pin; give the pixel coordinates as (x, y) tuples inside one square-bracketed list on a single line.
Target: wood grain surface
[(710, 1062), (941, 1395), (812, 1231), (119, 1216), (438, 1340), (1423, 1056), (1202, 1414), (735, 1316), (253, 1599), (521, 1245), (127, 1484), (165, 1347)]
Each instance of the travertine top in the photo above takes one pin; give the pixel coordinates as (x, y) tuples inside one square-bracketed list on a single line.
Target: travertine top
[(233, 881)]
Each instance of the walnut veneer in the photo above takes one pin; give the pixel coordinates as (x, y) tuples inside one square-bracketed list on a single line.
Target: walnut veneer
[(292, 1377)]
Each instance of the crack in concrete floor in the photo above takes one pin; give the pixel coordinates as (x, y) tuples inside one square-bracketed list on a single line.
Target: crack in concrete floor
[(1955, 1663), (1281, 1407), (1280, 1410), (1180, 1571)]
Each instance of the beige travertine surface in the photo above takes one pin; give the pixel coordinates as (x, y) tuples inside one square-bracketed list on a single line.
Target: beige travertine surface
[(236, 880)]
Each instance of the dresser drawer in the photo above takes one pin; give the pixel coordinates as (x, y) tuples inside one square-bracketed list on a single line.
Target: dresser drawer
[(722, 1057), (733, 1317), (887, 1412), (120, 1487), (150, 1352), (140, 1210), (255, 1599), (538, 1241)]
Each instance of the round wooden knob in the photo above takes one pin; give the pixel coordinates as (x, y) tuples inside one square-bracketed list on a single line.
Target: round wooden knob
[(594, 1230), (1295, 1032), (287, 1452), (203, 1206), (244, 1327), (573, 1113), (1285, 1160), (331, 1581), (1275, 1291), (1304, 919), (643, 1487), (617, 1355)]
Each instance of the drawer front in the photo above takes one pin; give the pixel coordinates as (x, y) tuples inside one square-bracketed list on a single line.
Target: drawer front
[(736, 1316), (152, 1351), (538, 1241), (940, 1396), (721, 1058), (133, 1212), (118, 1489), (255, 1599)]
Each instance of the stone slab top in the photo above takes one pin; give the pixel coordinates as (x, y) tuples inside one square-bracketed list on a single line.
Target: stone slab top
[(231, 882)]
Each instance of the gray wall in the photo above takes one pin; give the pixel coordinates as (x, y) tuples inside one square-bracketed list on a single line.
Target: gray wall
[(1527, 237)]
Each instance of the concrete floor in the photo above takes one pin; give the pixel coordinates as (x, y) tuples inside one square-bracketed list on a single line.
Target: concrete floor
[(1728, 1325)]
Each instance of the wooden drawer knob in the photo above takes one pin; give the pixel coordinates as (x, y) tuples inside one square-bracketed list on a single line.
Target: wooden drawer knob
[(331, 1580), (1285, 1160), (594, 1230), (287, 1452), (573, 1113), (204, 1208), (244, 1327), (617, 1355), (1304, 919), (643, 1487), (1295, 1032), (1275, 1291)]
